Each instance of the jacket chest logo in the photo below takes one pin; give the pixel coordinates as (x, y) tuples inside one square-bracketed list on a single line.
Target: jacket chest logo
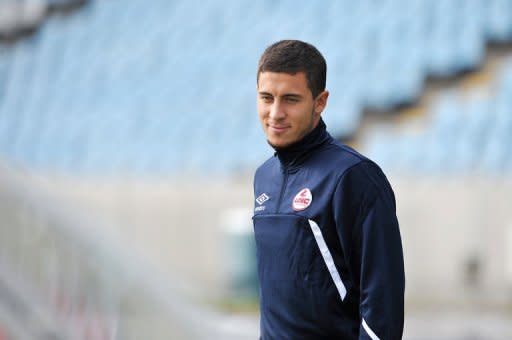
[(302, 200), (262, 198)]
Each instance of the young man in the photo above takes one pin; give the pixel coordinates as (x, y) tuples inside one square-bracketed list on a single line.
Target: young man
[(329, 252)]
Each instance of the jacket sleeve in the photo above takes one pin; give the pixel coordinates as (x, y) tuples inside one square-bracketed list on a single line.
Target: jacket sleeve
[(365, 215)]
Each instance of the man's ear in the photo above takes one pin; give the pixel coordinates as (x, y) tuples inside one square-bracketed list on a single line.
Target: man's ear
[(321, 102)]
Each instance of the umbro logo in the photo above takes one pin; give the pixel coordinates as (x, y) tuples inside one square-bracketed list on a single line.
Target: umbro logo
[(262, 198)]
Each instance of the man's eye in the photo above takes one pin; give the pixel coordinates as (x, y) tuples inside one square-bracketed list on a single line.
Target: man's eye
[(292, 100), (266, 99)]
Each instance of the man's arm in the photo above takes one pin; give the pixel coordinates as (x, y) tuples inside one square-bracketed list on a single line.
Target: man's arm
[(382, 275), (368, 229)]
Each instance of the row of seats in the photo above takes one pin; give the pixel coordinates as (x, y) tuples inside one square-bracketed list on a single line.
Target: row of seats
[(170, 85), (463, 135)]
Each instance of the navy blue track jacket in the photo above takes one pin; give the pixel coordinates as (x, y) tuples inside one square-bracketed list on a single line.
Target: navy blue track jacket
[(329, 253)]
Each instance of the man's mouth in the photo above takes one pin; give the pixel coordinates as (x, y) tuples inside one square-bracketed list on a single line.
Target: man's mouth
[(278, 128)]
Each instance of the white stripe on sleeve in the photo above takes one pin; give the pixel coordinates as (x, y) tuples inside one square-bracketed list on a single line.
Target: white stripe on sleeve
[(369, 331)]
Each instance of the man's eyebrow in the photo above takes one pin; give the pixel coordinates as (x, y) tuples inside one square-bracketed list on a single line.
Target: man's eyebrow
[(287, 95), (263, 93), (293, 95)]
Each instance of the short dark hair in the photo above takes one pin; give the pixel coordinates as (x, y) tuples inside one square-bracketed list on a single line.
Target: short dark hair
[(293, 56)]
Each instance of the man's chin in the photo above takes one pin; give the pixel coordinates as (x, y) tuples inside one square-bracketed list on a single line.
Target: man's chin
[(277, 146)]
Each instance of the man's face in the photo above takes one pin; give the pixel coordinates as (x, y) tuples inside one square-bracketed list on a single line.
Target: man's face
[(286, 107)]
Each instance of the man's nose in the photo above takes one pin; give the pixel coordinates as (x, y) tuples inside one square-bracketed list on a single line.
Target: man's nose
[(277, 111)]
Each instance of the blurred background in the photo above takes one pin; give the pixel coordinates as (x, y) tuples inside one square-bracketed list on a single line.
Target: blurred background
[(129, 137)]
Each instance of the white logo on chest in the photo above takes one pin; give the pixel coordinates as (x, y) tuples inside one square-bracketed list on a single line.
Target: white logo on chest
[(262, 198), (302, 200)]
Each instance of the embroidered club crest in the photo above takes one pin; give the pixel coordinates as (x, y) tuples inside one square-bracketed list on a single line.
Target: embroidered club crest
[(302, 200)]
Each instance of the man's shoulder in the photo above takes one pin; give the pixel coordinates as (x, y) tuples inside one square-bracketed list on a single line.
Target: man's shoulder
[(352, 166), (362, 176), (339, 157)]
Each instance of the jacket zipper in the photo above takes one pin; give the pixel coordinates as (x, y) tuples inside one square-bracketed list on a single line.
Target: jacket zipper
[(285, 182)]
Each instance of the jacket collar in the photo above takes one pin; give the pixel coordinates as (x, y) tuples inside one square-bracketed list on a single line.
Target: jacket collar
[(294, 155)]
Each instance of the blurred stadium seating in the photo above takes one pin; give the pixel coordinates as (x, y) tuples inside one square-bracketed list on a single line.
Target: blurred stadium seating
[(463, 136), (120, 85)]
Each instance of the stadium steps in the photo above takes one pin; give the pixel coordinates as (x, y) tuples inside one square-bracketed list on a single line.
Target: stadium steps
[(416, 115)]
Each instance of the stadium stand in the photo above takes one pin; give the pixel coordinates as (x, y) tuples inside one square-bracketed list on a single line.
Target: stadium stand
[(109, 89), (464, 135)]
